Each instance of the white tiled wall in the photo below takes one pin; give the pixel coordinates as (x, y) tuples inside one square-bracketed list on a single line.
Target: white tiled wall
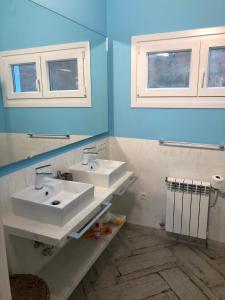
[(22, 256), (152, 163)]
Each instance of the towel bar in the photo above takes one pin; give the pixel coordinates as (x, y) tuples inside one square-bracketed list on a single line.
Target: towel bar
[(125, 189), (49, 136), (79, 233), (191, 145)]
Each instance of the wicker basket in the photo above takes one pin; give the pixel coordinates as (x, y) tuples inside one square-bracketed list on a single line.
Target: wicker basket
[(28, 287)]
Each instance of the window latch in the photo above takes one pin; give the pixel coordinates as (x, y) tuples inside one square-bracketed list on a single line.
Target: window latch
[(38, 85), (203, 80)]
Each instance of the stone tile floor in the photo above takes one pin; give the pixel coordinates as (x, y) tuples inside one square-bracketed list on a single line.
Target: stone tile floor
[(140, 263)]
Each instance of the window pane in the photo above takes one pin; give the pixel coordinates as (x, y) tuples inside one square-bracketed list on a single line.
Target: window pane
[(216, 76), (24, 77), (169, 69), (63, 75)]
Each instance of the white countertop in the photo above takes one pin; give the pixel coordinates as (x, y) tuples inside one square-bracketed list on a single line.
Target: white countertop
[(58, 235)]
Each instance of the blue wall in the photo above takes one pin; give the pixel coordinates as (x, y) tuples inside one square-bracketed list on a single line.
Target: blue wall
[(90, 13), (134, 17), (24, 24)]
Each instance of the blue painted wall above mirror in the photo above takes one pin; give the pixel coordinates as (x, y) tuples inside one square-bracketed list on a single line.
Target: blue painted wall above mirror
[(89, 13)]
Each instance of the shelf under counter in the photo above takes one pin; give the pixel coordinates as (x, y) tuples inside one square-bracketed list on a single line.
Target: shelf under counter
[(58, 235), (65, 271)]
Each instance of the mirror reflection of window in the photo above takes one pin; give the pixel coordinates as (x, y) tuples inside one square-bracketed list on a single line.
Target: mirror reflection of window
[(24, 77), (63, 75)]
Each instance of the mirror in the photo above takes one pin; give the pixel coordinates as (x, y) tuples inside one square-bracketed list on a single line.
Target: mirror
[(29, 131)]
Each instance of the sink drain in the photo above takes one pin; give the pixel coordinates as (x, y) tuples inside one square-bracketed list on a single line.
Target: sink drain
[(55, 202)]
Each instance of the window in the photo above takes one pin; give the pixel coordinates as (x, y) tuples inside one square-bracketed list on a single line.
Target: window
[(22, 73), (180, 69), (212, 67), (216, 77), (48, 76), (24, 77), (63, 74), (168, 68)]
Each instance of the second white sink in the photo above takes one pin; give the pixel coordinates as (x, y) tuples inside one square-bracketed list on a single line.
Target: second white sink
[(56, 203), (100, 172)]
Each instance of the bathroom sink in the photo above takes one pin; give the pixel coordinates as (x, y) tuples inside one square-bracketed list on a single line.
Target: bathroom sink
[(99, 172), (56, 203)]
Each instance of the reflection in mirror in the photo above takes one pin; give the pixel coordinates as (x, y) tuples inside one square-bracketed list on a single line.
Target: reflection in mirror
[(29, 129), (18, 146)]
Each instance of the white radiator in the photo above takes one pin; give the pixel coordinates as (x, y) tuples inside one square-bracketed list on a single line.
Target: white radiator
[(187, 207)]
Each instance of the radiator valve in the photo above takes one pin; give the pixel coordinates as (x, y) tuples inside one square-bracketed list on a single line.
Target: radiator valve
[(162, 225)]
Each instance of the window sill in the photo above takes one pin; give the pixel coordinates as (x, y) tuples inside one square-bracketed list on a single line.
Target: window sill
[(62, 102), (179, 102)]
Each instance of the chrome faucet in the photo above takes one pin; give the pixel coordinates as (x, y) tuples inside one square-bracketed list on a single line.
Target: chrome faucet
[(89, 155), (40, 175)]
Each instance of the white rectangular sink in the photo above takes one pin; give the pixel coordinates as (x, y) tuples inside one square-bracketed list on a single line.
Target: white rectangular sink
[(56, 203), (100, 173)]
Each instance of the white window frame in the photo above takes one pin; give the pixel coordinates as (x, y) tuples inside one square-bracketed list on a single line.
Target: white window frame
[(167, 101), (167, 46), (44, 97), (13, 60), (212, 42), (78, 54)]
